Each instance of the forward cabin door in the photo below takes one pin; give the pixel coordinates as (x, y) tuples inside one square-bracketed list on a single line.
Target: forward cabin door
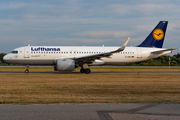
[(26, 52), (139, 55)]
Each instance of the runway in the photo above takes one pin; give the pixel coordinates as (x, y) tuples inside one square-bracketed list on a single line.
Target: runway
[(113, 71), (91, 112), (158, 73), (109, 66)]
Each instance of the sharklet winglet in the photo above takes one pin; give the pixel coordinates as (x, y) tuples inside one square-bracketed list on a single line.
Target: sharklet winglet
[(123, 46)]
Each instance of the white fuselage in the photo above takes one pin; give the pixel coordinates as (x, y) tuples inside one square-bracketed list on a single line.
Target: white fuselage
[(48, 55)]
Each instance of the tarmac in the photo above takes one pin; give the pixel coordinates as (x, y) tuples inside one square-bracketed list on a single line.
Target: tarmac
[(121, 111), (159, 73)]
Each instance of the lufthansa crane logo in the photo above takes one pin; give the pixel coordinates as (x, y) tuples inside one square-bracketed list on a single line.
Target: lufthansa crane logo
[(158, 34)]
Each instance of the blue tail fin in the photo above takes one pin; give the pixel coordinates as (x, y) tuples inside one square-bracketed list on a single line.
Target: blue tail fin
[(156, 37)]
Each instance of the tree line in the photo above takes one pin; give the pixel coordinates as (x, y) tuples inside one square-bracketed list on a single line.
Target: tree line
[(1, 59), (160, 61)]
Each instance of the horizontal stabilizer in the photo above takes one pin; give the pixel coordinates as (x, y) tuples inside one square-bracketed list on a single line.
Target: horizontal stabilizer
[(161, 51)]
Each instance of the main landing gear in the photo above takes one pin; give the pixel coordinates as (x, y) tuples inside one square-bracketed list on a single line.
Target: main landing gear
[(27, 69), (87, 70)]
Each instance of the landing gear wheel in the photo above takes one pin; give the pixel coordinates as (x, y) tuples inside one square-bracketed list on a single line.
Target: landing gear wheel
[(82, 70), (26, 71), (87, 71)]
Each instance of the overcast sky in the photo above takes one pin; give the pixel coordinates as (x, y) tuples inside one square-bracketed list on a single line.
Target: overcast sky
[(85, 22)]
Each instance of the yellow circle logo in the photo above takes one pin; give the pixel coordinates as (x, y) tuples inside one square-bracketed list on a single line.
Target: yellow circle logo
[(158, 34)]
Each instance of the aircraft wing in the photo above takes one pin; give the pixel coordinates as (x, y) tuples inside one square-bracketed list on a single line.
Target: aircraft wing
[(88, 59), (161, 51)]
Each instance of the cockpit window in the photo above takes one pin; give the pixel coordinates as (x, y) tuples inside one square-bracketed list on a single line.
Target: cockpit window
[(14, 52)]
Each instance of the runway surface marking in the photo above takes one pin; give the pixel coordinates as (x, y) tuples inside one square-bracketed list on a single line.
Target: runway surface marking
[(134, 114)]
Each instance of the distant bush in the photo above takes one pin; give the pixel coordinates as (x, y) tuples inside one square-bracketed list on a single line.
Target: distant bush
[(1, 58)]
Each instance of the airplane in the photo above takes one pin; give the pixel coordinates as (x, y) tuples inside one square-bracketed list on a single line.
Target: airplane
[(67, 58)]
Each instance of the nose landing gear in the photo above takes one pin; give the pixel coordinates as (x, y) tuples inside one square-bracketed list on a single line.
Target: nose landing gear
[(27, 69)]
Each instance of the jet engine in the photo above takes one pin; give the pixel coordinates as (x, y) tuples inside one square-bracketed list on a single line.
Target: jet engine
[(64, 65)]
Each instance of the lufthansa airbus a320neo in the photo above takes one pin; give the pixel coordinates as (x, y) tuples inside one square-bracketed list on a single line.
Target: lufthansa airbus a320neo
[(67, 58)]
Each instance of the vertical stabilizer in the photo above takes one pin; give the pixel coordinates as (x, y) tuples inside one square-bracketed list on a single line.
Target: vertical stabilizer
[(156, 37)]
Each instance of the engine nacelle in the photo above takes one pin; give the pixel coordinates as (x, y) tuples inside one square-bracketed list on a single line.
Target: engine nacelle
[(64, 65)]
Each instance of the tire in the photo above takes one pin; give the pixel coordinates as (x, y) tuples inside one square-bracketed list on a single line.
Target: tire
[(26, 71), (82, 70), (87, 71)]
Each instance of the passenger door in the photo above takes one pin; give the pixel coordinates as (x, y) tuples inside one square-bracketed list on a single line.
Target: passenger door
[(139, 55), (26, 52)]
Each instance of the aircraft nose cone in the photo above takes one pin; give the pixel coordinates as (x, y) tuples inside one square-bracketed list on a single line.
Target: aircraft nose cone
[(5, 58)]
